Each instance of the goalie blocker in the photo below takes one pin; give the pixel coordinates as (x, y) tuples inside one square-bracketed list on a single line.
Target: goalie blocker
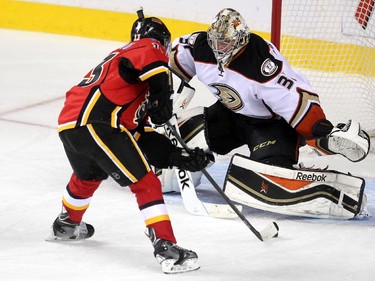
[(317, 194)]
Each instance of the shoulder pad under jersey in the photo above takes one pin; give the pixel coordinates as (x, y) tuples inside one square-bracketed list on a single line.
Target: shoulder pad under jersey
[(192, 39)]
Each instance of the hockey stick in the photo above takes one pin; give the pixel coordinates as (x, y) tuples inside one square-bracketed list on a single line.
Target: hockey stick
[(187, 189), (272, 230), (185, 183)]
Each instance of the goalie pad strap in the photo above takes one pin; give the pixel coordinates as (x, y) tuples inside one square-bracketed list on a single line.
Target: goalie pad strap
[(321, 194), (322, 128)]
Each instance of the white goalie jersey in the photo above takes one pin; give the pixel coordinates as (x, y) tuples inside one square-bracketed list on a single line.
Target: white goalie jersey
[(258, 82)]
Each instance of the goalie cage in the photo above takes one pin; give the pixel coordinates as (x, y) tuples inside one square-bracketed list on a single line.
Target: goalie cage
[(333, 43)]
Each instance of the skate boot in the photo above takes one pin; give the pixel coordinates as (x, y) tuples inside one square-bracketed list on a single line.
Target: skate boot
[(173, 258), (64, 229)]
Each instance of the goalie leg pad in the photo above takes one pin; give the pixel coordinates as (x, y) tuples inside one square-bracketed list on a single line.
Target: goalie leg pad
[(315, 194), (170, 181), (191, 126)]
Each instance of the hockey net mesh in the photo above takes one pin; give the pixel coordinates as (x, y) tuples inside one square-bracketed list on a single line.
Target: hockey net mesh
[(333, 43)]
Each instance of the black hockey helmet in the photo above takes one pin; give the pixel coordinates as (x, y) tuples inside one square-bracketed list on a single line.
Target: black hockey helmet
[(150, 28)]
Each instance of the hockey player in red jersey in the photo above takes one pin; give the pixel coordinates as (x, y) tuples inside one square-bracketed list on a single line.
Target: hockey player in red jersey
[(262, 102), (105, 132)]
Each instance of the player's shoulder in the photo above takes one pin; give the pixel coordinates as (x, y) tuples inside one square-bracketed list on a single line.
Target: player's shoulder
[(256, 61), (198, 38), (193, 39), (199, 48), (145, 45), (258, 42)]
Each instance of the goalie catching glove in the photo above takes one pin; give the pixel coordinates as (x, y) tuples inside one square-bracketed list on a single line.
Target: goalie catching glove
[(349, 140), (194, 160)]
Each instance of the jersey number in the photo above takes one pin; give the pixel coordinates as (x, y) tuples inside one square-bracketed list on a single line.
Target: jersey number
[(285, 82), (95, 74)]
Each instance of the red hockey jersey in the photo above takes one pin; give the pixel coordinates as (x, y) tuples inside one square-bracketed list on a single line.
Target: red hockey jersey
[(116, 91)]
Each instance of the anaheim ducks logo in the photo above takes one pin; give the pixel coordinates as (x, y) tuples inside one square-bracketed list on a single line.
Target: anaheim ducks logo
[(228, 96)]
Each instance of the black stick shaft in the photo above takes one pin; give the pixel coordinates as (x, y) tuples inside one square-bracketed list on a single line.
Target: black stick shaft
[(217, 187)]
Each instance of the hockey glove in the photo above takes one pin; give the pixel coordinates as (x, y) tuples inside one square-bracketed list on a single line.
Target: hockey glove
[(193, 161), (349, 140), (160, 111)]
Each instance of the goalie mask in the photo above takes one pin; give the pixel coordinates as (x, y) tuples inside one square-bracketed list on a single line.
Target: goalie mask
[(151, 28), (227, 34)]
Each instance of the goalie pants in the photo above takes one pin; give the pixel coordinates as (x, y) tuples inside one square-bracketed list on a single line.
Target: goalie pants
[(270, 141), (97, 151)]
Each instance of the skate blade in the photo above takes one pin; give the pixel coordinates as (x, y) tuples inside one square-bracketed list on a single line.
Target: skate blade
[(169, 266), (53, 238)]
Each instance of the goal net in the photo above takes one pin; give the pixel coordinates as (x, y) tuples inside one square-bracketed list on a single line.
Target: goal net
[(333, 43)]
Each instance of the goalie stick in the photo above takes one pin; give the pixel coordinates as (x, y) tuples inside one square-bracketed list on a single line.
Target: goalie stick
[(187, 189), (270, 231)]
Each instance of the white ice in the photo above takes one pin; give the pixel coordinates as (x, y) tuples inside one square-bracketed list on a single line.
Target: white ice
[(36, 69)]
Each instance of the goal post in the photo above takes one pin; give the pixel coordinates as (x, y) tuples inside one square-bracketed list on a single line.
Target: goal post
[(333, 43)]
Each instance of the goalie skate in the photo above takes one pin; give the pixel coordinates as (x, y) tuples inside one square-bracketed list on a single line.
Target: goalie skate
[(63, 229), (173, 258)]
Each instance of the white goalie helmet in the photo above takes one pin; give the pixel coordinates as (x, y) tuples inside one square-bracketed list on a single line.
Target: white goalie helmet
[(227, 34)]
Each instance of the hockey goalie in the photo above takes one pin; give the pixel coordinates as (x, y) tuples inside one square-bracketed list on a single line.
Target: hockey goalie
[(269, 181), (266, 105), (296, 191)]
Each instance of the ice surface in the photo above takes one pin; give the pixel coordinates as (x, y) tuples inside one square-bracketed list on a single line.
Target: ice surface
[(36, 69)]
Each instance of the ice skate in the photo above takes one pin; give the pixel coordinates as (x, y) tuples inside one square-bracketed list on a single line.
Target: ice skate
[(64, 229), (173, 258)]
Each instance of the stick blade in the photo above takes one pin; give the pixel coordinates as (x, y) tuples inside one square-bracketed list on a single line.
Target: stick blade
[(270, 231), (221, 211), (200, 208)]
